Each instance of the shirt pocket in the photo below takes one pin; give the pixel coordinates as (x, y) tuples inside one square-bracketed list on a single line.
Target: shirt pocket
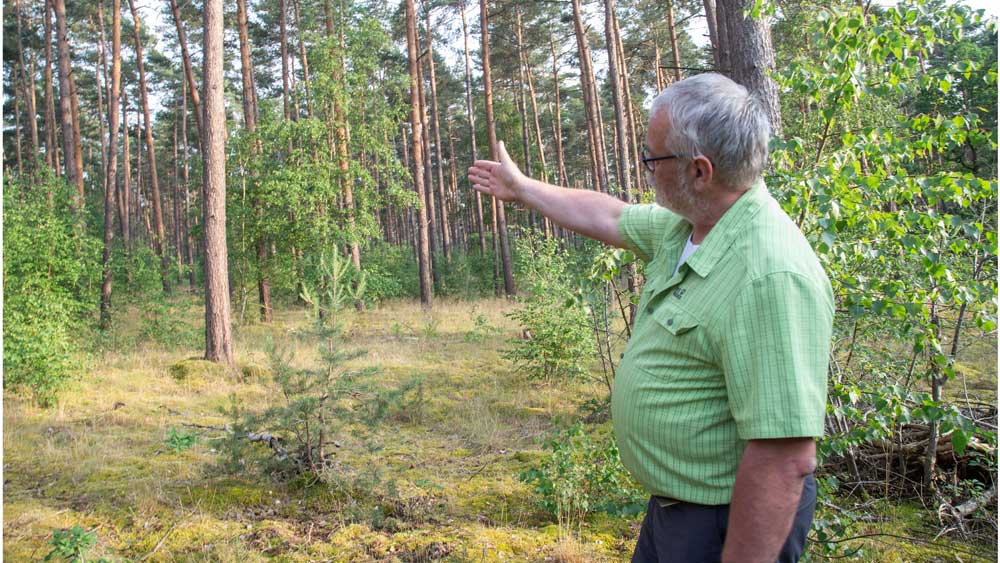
[(675, 320)]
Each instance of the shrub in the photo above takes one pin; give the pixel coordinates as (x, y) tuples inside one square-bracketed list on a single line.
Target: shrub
[(556, 339), (583, 474), (46, 293)]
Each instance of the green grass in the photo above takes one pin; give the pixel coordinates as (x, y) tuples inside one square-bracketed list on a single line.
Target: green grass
[(443, 487)]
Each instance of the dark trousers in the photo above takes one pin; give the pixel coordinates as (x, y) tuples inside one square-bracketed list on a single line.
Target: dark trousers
[(694, 533)]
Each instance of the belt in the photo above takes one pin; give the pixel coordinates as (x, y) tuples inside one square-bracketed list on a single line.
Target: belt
[(666, 501)]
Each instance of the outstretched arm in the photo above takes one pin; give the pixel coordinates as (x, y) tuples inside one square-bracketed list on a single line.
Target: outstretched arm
[(591, 214)]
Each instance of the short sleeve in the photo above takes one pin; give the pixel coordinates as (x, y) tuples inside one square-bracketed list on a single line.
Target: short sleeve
[(775, 349), (643, 226)]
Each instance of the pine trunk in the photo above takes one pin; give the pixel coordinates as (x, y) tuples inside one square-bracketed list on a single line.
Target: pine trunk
[(218, 332), (480, 225), (112, 170), (442, 207), (188, 71), (159, 235), (491, 131), (748, 55), (73, 176), (51, 137), (416, 124)]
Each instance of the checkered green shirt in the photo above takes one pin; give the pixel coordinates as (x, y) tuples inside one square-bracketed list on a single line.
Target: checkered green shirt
[(734, 347)]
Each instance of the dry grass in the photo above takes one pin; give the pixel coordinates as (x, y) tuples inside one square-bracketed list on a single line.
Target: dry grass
[(443, 487), (99, 459)]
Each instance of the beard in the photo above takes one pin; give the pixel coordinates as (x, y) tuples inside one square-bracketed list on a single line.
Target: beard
[(682, 199)]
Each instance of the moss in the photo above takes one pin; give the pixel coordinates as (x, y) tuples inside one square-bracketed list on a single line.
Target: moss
[(251, 372), (197, 370)]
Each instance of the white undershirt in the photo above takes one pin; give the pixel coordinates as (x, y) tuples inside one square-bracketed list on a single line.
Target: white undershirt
[(689, 249)]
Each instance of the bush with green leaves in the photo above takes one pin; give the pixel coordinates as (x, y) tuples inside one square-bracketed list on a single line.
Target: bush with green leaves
[(900, 205), (49, 285), (583, 474), (556, 340)]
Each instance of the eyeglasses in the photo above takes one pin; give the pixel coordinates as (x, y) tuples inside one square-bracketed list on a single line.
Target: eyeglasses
[(646, 159)]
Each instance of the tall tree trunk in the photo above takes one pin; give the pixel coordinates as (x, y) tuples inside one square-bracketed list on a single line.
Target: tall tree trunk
[(617, 95), (74, 101), (188, 71), (101, 90), (28, 84), (557, 117), (73, 175), (185, 179), (595, 132), (428, 172), (436, 127), (472, 127), (303, 59), (423, 246), (250, 121), (112, 171), (713, 31), (748, 55), (159, 236), (125, 189), (674, 49), (218, 331), (51, 137), (285, 84), (491, 131), (343, 137)]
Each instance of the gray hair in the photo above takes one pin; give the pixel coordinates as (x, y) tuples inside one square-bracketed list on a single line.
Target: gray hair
[(713, 116)]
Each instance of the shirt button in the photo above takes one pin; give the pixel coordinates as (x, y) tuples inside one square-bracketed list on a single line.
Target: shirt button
[(670, 322), (649, 309)]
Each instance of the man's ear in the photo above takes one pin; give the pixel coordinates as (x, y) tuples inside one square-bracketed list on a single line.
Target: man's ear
[(703, 171)]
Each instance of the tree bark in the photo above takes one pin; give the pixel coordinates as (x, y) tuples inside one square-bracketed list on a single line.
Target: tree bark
[(674, 49), (617, 95), (436, 127), (112, 170), (303, 59), (250, 121), (28, 84), (218, 331), (557, 117), (125, 189), (188, 71), (480, 225), (747, 55), (51, 137), (285, 86), (595, 132), (491, 130), (73, 175), (159, 236), (416, 124), (713, 30), (185, 179)]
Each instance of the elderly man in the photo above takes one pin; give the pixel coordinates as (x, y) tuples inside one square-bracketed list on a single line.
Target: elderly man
[(722, 387)]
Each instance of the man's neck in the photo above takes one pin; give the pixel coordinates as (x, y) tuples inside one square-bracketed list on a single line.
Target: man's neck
[(721, 200)]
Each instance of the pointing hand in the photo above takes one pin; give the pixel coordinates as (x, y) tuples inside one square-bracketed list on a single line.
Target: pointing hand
[(501, 179)]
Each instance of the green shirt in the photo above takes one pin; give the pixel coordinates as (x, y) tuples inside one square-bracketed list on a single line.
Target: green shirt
[(734, 347)]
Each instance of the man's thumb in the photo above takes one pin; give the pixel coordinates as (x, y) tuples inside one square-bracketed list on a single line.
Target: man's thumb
[(502, 153)]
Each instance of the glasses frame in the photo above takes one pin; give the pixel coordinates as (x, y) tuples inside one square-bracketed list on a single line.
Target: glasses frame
[(646, 159)]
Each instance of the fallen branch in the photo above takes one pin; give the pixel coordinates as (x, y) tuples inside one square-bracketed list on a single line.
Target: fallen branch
[(271, 440)]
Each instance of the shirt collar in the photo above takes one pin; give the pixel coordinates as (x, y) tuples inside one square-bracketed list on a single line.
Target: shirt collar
[(724, 233)]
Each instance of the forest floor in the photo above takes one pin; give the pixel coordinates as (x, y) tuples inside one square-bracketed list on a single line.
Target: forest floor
[(442, 486)]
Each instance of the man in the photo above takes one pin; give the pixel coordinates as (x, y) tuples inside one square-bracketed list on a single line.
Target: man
[(722, 387)]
